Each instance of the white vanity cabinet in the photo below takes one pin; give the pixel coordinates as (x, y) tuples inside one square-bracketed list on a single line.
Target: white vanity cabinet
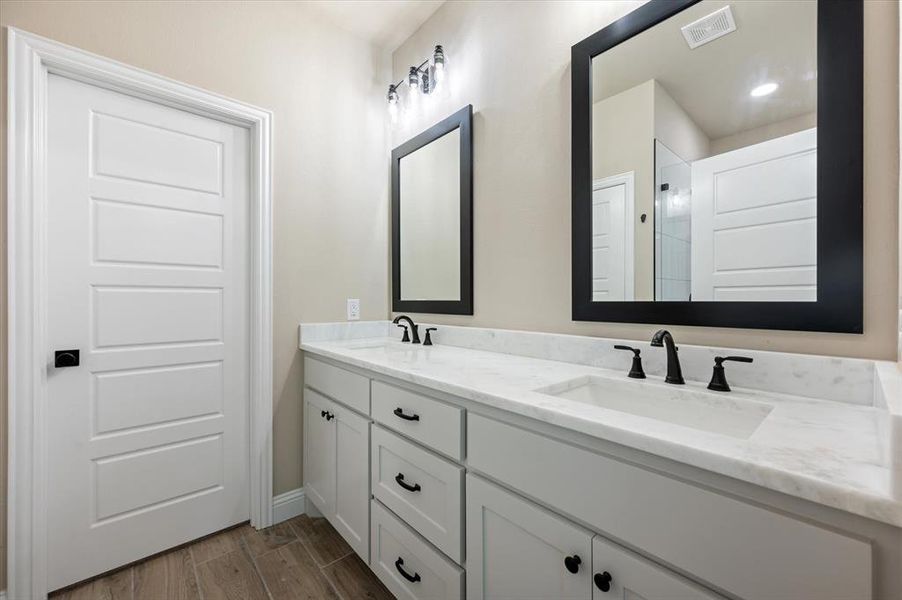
[(352, 491), (515, 549), (336, 456), (637, 578), (520, 550), (446, 502), (319, 452)]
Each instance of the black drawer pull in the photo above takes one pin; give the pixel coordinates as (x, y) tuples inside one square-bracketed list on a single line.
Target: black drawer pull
[(572, 563), (411, 578), (603, 581), (410, 488), (400, 413)]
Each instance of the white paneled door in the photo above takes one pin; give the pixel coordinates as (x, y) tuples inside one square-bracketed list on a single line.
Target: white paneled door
[(612, 238), (147, 233), (754, 222)]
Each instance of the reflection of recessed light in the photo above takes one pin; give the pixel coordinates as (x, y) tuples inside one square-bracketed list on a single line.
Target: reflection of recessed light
[(764, 89)]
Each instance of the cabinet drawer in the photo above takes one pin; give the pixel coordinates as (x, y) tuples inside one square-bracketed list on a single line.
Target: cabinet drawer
[(433, 423), (399, 555), (346, 387), (421, 488), (744, 549)]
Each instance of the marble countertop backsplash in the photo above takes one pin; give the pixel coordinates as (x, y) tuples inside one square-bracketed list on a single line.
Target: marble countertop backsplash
[(833, 436)]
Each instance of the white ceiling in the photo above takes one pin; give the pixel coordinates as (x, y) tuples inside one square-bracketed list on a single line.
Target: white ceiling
[(386, 23), (774, 41)]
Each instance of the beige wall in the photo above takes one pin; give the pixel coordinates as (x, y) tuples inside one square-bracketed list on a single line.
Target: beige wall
[(330, 187), (763, 133), (623, 133), (511, 62), (675, 128)]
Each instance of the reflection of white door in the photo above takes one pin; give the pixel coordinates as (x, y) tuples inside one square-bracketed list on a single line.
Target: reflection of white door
[(612, 238), (147, 277), (754, 222)]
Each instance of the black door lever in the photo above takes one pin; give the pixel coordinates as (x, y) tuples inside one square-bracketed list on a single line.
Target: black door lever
[(65, 358)]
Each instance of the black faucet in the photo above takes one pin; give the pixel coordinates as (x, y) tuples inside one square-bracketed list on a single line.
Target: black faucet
[(674, 372), (414, 328)]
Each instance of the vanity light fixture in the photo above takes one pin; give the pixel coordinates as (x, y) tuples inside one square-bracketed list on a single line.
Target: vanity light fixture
[(422, 79), (764, 89)]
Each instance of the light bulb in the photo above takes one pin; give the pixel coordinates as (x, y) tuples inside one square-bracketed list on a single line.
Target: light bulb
[(413, 79), (392, 103), (438, 60)]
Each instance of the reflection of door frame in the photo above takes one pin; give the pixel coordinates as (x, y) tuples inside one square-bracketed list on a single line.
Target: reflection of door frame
[(628, 181), (31, 61)]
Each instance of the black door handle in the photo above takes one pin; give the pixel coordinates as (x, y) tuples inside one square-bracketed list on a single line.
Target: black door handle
[(603, 581), (410, 488), (65, 358), (411, 578), (400, 413), (572, 563)]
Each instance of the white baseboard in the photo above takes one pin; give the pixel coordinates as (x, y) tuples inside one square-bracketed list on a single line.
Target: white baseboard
[(285, 506)]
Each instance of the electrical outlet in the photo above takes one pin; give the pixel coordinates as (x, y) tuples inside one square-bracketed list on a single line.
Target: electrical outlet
[(353, 309)]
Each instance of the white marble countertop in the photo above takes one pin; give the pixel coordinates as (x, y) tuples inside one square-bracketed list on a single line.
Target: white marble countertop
[(828, 452)]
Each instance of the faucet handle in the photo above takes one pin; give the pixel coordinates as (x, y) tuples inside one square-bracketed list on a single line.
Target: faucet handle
[(746, 359), (428, 340), (636, 371), (718, 381), (406, 337)]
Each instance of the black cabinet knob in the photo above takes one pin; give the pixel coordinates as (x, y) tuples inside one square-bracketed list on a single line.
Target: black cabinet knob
[(322, 413), (572, 563), (329, 416), (603, 581)]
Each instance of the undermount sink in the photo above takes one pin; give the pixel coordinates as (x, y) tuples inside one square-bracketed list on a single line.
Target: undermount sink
[(706, 411)]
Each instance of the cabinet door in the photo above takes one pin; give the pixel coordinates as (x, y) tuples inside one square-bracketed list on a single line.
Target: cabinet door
[(618, 573), (319, 451), (516, 549), (352, 489)]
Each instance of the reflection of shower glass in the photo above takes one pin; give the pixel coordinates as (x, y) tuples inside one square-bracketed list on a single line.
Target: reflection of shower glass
[(673, 225)]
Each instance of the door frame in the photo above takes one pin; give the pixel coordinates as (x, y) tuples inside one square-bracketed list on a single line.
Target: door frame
[(31, 60), (628, 181)]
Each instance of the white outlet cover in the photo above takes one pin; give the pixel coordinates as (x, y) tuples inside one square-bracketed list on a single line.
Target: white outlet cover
[(353, 309)]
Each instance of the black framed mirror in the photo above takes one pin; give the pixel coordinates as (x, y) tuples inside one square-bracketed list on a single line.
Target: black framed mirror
[(432, 219), (717, 166)]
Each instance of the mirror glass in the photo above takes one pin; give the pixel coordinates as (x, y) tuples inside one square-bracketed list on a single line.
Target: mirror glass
[(704, 157), (430, 220)]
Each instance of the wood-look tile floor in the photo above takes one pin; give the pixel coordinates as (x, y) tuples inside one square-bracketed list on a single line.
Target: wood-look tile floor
[(303, 558)]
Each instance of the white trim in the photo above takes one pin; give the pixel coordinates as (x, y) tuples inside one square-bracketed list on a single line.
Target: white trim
[(628, 180), (287, 506), (31, 60)]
